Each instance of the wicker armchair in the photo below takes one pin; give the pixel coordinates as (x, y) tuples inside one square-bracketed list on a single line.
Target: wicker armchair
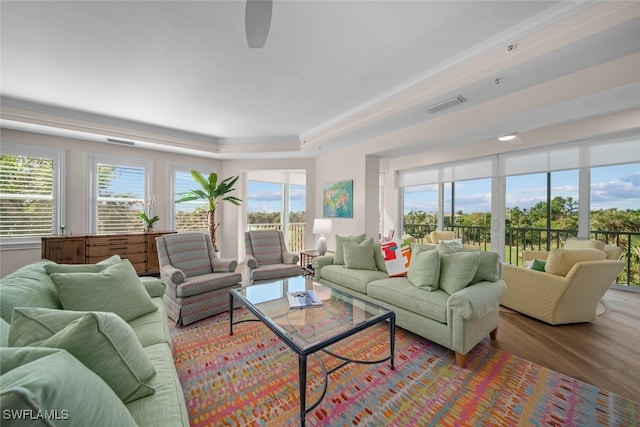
[(197, 281), (267, 256)]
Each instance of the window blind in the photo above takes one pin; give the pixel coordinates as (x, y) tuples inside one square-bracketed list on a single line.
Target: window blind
[(26, 196)]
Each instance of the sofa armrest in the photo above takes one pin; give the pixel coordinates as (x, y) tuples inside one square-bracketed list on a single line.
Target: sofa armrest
[(224, 264), (154, 287), (290, 258), (320, 261), (251, 261), (478, 300), (174, 275)]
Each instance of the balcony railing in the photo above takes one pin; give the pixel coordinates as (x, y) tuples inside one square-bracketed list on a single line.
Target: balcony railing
[(517, 239), (296, 234)]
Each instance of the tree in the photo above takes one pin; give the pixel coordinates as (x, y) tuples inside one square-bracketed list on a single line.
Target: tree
[(213, 192)]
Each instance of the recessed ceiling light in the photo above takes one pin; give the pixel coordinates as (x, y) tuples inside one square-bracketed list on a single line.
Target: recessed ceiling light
[(508, 137)]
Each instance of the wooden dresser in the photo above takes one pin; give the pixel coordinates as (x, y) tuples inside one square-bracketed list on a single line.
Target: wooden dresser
[(139, 248)]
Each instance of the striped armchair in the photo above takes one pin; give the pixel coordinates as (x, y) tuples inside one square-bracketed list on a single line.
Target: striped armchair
[(267, 256), (197, 281)]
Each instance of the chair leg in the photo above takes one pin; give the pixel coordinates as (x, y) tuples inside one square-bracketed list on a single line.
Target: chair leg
[(494, 334), (461, 359)]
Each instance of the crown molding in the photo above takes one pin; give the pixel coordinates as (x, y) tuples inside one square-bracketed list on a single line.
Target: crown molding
[(392, 101)]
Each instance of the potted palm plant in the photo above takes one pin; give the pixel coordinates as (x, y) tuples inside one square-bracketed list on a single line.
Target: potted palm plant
[(213, 192)]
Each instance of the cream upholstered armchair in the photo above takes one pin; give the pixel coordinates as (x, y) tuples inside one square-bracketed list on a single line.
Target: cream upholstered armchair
[(197, 281), (567, 291), (267, 256), (611, 251)]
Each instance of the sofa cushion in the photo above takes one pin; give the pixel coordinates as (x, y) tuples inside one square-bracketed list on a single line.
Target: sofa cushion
[(561, 261), (29, 286), (437, 236), (82, 268), (338, 256), (400, 292), (613, 251), (457, 270), (103, 342), (116, 289), (45, 379), (424, 270), (350, 278), (359, 255), (576, 243), (380, 265), (489, 266), (152, 328), (166, 407)]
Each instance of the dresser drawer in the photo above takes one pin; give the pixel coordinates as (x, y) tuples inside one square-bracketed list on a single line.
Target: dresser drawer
[(120, 249), (117, 240)]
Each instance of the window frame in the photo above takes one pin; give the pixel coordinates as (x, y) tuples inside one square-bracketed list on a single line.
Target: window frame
[(58, 156), (92, 161), (171, 206)]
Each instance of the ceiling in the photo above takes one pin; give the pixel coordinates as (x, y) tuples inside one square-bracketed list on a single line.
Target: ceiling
[(179, 76)]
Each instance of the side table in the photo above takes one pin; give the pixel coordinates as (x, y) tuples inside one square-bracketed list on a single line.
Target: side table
[(305, 262)]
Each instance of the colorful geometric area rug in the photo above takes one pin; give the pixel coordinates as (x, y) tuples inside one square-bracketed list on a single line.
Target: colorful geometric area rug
[(250, 379)]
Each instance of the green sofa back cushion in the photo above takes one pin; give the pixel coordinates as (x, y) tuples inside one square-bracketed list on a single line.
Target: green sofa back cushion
[(29, 286), (424, 270), (338, 256), (45, 379), (116, 289), (359, 256), (103, 342), (457, 270)]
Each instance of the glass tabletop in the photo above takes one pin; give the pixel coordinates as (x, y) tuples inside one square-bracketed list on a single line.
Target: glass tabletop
[(306, 328)]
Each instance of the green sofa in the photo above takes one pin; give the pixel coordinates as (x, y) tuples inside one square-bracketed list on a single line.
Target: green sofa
[(86, 345), (450, 295)]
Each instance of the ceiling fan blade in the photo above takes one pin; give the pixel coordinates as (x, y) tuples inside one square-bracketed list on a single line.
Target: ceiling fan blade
[(257, 20)]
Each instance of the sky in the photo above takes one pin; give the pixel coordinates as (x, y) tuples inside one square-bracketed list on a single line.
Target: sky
[(611, 186), (266, 197)]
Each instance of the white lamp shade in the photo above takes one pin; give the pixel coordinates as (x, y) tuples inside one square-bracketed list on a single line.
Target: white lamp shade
[(321, 225)]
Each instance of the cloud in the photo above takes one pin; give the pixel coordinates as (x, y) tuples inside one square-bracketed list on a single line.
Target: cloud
[(265, 196), (617, 189)]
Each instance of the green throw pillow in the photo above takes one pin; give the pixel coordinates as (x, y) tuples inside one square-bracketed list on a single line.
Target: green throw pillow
[(444, 249), (82, 268), (537, 264), (457, 270), (359, 256), (54, 381), (116, 289), (4, 333), (103, 342), (338, 256), (424, 270)]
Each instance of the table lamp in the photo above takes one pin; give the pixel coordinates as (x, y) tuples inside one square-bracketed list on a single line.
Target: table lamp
[(321, 226)]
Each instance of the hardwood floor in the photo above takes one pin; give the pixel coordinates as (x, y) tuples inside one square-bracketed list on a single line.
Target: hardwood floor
[(605, 353)]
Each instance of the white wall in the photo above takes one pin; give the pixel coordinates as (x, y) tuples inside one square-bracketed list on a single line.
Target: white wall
[(350, 164), (77, 191)]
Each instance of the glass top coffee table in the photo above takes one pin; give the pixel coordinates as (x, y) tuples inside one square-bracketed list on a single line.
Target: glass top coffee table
[(311, 329)]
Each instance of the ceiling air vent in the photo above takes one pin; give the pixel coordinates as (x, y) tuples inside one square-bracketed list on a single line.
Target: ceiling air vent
[(120, 141), (447, 103)]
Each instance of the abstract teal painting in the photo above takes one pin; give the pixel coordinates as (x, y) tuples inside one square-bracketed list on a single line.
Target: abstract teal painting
[(337, 200)]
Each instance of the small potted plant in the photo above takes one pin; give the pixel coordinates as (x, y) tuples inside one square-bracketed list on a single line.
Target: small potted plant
[(146, 215)]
